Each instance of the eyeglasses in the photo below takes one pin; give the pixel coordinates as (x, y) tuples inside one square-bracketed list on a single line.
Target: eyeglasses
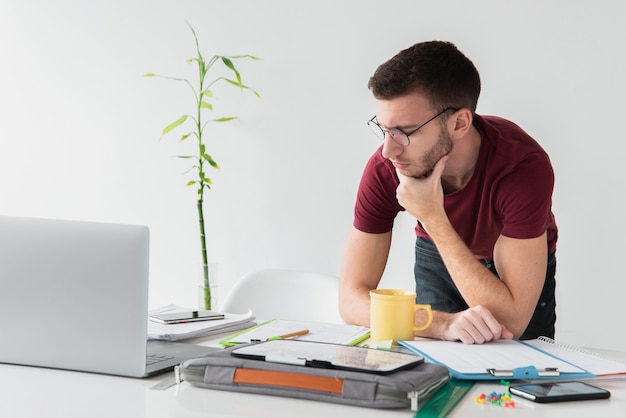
[(398, 135)]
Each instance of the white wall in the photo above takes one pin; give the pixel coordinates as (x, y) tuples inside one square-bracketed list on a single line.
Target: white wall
[(79, 127)]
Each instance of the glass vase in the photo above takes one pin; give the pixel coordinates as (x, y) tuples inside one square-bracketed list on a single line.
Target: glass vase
[(207, 295)]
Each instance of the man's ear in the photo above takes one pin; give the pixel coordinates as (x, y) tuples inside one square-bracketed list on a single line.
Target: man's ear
[(460, 123)]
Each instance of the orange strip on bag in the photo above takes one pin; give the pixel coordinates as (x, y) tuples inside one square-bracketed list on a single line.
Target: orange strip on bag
[(290, 380)]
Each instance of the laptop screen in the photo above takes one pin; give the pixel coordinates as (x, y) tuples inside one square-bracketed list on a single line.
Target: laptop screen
[(74, 294)]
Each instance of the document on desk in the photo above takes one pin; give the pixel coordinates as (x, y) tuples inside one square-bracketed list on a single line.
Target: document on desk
[(501, 359), (316, 331), (585, 359), (186, 330)]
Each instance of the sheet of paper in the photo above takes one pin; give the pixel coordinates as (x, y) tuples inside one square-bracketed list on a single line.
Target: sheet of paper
[(320, 332), (500, 355)]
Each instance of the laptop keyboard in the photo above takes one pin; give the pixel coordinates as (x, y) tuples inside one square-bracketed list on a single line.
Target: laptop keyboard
[(157, 358)]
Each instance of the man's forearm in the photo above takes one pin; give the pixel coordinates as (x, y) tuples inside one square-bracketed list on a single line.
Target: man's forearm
[(511, 297), (364, 259), (354, 306), (477, 285)]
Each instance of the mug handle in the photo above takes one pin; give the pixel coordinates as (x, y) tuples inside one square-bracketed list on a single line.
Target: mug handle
[(426, 308)]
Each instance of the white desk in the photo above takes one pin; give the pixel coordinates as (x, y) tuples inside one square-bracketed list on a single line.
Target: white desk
[(36, 392)]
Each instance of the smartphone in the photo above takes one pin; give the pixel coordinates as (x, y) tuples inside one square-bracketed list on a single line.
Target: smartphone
[(559, 392), (187, 316)]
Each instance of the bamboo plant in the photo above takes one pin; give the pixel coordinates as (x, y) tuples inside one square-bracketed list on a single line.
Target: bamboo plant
[(203, 95)]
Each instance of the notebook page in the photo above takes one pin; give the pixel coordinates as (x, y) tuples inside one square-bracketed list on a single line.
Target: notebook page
[(589, 361)]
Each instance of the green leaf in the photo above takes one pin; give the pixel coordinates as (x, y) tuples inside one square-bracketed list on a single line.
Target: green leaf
[(196, 39), (210, 160), (234, 83), (205, 179), (225, 119), (245, 56), (243, 87), (165, 77), (174, 124), (228, 63), (202, 91)]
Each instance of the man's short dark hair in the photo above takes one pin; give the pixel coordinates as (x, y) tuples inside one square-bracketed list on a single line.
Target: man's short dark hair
[(436, 69)]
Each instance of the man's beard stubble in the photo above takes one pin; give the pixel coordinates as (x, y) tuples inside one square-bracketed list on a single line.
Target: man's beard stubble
[(443, 147)]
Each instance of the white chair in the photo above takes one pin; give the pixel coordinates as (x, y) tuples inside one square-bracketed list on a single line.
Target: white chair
[(286, 294)]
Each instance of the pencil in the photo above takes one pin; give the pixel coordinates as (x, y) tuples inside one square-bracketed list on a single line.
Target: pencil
[(290, 335)]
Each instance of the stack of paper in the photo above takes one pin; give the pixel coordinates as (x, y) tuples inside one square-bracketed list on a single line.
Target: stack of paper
[(173, 332)]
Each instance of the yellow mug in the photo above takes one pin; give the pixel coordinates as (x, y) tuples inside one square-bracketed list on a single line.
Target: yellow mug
[(392, 315)]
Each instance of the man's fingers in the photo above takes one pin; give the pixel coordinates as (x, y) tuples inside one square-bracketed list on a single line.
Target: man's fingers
[(401, 176), (506, 334), (476, 326), (440, 166)]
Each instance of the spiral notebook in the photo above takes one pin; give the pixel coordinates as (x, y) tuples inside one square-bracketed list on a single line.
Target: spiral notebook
[(588, 360), (514, 359)]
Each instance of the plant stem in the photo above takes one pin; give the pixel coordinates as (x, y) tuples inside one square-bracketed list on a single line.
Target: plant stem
[(203, 182), (205, 262)]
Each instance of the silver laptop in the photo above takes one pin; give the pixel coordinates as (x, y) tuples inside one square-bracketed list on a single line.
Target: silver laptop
[(74, 295)]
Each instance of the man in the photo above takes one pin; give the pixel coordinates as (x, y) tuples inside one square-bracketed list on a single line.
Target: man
[(481, 190)]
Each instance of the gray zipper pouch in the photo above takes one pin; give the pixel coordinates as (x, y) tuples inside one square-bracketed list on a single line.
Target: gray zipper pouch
[(401, 389)]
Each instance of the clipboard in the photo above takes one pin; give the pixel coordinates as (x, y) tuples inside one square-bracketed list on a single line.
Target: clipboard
[(318, 331), (328, 356), (496, 360)]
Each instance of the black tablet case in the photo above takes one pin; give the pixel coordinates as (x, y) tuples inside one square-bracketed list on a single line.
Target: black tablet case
[(329, 355), (402, 389)]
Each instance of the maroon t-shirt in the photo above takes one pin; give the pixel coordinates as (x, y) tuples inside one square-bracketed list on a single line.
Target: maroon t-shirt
[(510, 192)]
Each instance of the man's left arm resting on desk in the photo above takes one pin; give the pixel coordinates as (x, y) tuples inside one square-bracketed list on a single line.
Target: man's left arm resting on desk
[(499, 307)]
